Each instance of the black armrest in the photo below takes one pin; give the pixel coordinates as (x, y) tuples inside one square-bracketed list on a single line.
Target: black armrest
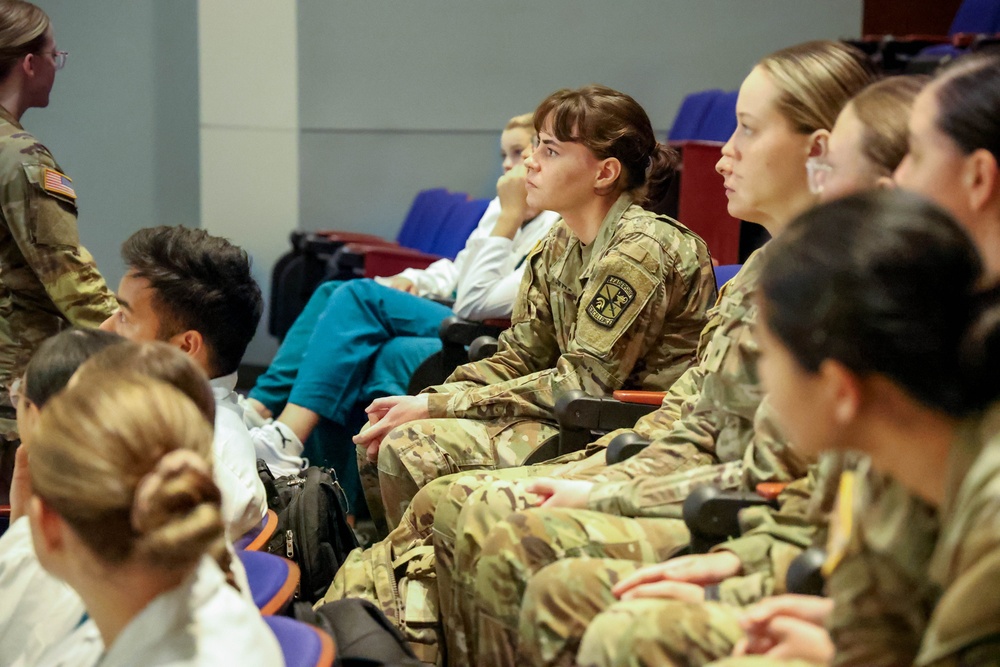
[(483, 348), (712, 515), (625, 446), (805, 573), (455, 330), (580, 416)]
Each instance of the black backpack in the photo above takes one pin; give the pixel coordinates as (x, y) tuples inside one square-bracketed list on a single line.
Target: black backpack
[(363, 635), (312, 525)]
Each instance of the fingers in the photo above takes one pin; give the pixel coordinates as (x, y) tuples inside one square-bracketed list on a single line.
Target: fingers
[(642, 576), (372, 452), (541, 487), (671, 590), (375, 433), (806, 607), (383, 404)]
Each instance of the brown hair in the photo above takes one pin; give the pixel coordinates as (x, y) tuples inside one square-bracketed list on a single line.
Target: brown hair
[(157, 360), (22, 31), (98, 441), (815, 80), (883, 109), (612, 124)]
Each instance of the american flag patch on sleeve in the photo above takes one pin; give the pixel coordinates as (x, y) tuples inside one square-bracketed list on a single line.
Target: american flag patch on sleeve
[(58, 183)]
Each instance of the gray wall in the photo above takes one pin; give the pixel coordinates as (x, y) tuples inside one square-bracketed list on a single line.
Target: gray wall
[(123, 117), (400, 96)]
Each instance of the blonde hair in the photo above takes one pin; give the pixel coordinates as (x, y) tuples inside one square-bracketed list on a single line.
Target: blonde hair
[(883, 109), (22, 31), (525, 121), (99, 441), (815, 80)]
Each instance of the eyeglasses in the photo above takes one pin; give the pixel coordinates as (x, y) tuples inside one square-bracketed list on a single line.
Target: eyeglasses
[(817, 170), (15, 391), (59, 58)]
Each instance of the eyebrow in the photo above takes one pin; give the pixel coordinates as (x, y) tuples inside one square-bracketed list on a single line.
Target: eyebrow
[(123, 303)]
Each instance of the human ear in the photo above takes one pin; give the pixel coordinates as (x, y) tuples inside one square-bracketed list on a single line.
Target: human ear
[(607, 175), (843, 391), (980, 178), (46, 526), (190, 342), (817, 143)]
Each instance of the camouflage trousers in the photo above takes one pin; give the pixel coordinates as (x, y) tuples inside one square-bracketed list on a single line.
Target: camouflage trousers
[(417, 453), (489, 596), (649, 632)]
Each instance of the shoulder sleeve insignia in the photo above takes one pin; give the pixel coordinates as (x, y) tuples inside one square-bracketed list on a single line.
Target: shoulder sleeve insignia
[(611, 300), (58, 183)]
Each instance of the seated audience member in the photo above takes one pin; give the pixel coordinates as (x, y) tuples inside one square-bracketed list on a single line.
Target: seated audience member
[(194, 291), (124, 509), (865, 146), (615, 297), (339, 356), (35, 606), (906, 364)]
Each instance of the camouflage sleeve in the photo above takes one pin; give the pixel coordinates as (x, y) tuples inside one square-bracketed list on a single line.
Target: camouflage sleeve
[(529, 345), (619, 317), (881, 592), (41, 218)]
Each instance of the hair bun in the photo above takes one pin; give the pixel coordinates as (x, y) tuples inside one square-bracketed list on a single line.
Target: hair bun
[(180, 481)]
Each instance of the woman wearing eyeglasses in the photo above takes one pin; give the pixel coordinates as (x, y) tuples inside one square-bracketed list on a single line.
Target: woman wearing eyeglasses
[(47, 279)]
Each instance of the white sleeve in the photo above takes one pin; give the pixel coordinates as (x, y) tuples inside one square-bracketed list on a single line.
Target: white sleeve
[(244, 501), (495, 267)]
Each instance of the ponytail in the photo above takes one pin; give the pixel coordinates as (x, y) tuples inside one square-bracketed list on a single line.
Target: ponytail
[(979, 354), (663, 163)]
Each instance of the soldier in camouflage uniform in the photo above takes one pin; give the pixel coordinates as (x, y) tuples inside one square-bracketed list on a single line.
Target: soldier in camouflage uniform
[(48, 280), (607, 302), (725, 417)]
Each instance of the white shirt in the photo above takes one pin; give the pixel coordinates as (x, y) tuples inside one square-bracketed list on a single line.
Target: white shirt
[(486, 274), (244, 501), (34, 606), (201, 623)]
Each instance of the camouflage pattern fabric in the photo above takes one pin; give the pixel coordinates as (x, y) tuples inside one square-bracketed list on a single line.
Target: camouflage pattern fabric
[(623, 311), (526, 541), (658, 632), (48, 281)]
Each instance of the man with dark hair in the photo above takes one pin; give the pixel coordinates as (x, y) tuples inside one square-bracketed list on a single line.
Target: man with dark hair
[(195, 291)]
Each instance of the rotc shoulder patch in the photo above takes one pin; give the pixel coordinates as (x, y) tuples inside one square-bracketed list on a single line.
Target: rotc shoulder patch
[(610, 302), (58, 183)]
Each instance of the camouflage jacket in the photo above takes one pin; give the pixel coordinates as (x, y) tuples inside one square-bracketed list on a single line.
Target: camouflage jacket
[(919, 582), (623, 311), (47, 279), (723, 422)]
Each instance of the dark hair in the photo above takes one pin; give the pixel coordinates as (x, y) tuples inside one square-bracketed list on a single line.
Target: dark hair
[(968, 98), (201, 283), (612, 124), (58, 357), (886, 282), (22, 31)]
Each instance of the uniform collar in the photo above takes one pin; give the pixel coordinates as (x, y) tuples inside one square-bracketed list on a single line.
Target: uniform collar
[(9, 117), (609, 226)]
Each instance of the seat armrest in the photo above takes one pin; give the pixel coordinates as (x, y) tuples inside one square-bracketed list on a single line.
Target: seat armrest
[(654, 398), (805, 572), (457, 331), (712, 516), (580, 416), (625, 446), (483, 348)]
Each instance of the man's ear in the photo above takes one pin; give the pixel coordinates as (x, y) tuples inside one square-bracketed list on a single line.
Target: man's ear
[(607, 175), (190, 342)]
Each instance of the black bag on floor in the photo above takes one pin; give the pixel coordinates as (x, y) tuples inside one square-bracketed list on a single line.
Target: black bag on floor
[(312, 525), (363, 635)]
